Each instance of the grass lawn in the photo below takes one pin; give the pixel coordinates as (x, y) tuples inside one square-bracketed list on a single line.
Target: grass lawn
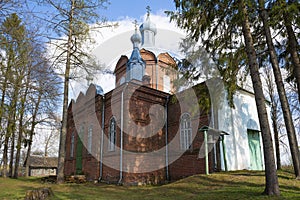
[(230, 185)]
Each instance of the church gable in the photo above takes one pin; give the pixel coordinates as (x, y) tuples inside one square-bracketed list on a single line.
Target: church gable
[(166, 60), (121, 64), (148, 56), (120, 70)]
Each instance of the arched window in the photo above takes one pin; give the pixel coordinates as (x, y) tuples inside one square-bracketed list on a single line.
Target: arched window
[(167, 83), (90, 139), (72, 145), (112, 135), (185, 131)]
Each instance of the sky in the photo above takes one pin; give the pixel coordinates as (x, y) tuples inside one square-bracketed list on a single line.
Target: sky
[(120, 9)]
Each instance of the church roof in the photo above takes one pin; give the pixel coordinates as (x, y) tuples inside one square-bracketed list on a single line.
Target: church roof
[(121, 62), (43, 162), (135, 56)]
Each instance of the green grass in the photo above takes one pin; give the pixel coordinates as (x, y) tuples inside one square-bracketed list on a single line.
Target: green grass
[(231, 185)]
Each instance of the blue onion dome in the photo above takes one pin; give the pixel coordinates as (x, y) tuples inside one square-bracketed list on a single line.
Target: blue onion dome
[(135, 39)]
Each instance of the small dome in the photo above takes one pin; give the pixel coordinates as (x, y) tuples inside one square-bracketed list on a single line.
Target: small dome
[(136, 38), (148, 25)]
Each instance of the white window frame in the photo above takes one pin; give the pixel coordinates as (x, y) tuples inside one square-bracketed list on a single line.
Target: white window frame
[(185, 131), (112, 134), (90, 139)]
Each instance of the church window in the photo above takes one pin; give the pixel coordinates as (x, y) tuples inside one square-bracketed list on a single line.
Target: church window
[(112, 134), (167, 83), (185, 132), (90, 139), (72, 145)]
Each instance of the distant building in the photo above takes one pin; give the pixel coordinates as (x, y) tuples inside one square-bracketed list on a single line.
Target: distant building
[(105, 147), (42, 166)]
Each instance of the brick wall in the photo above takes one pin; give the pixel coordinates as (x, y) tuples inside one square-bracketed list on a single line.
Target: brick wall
[(140, 103)]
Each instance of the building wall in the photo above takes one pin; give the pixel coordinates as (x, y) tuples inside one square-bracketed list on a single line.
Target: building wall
[(84, 113), (136, 118), (236, 121), (42, 172), (157, 68), (190, 162), (134, 141)]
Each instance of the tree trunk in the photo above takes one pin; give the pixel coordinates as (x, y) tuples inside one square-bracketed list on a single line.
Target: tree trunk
[(4, 86), (5, 145), (11, 125), (27, 159), (5, 156), (19, 146), (281, 92), (10, 131), (63, 133), (20, 135), (271, 186), (292, 48), (33, 123), (274, 114), (6, 72), (12, 153), (276, 138)]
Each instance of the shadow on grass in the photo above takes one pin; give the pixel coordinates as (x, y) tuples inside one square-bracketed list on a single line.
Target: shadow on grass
[(238, 185), (231, 185)]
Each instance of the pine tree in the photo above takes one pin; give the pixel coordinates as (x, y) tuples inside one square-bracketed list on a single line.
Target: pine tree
[(224, 30)]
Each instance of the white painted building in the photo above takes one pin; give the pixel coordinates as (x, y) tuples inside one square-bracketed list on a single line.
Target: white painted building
[(243, 145)]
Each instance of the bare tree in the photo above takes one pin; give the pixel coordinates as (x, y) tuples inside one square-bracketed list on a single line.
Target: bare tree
[(43, 101), (71, 21), (270, 90)]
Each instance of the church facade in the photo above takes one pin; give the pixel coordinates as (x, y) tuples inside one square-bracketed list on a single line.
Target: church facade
[(141, 133)]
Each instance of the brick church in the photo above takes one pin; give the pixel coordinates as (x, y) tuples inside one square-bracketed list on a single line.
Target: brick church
[(141, 132)]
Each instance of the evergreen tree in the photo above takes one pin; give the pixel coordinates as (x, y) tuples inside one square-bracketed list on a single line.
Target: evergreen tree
[(224, 26)]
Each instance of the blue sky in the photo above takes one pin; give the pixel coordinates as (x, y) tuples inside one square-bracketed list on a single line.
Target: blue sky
[(119, 9)]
